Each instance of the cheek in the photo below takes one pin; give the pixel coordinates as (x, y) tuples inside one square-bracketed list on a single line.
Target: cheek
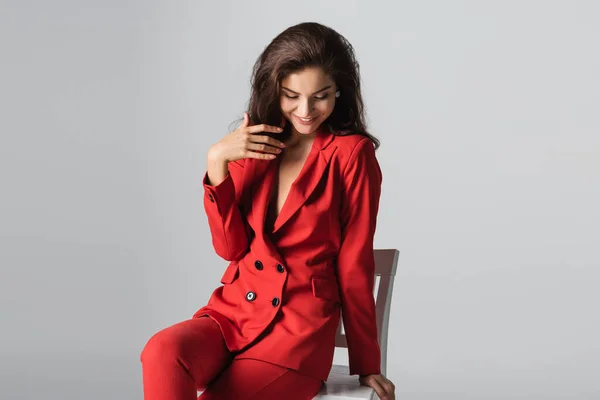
[(285, 105), (327, 109)]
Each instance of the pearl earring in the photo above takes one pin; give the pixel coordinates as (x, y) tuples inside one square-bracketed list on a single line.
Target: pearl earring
[(337, 94)]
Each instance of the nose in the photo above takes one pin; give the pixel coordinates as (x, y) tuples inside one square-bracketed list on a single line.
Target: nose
[(304, 108)]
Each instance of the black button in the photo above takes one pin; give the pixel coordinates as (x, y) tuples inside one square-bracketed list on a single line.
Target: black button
[(211, 198), (280, 268), (258, 265), (275, 302), (250, 296)]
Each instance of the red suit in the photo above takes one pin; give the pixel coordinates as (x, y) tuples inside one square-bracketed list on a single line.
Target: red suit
[(283, 288)]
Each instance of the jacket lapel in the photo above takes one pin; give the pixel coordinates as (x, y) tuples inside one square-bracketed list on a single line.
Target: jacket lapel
[(263, 178), (310, 175)]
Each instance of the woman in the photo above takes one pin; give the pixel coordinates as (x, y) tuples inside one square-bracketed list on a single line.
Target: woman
[(292, 200)]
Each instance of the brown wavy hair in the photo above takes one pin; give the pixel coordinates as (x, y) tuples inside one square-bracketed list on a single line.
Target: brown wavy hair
[(309, 44)]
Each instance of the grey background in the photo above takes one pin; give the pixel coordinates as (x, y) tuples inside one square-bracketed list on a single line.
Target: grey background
[(488, 116)]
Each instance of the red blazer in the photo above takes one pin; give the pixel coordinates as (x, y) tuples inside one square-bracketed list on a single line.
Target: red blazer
[(284, 286)]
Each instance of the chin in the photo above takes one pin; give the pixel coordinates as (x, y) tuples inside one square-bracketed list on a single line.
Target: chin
[(305, 130)]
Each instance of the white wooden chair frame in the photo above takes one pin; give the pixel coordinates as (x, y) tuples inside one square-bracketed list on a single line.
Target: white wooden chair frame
[(341, 385)]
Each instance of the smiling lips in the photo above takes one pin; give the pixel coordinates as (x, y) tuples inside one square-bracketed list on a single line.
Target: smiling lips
[(304, 121)]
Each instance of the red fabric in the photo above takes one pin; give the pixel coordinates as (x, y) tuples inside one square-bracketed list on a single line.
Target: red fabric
[(191, 355), (323, 239)]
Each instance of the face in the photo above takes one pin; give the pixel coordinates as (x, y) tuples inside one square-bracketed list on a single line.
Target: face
[(308, 94)]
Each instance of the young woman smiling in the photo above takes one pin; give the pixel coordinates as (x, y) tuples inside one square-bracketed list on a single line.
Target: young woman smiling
[(291, 197)]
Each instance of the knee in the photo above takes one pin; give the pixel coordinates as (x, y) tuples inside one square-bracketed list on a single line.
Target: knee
[(161, 346)]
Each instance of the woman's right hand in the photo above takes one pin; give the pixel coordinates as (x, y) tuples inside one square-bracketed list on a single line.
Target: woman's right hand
[(244, 142)]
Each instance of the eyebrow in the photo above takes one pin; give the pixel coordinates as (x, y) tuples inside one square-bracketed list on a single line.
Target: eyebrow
[(318, 91)]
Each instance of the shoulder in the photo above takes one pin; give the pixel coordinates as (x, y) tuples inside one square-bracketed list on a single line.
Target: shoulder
[(353, 146), (348, 143)]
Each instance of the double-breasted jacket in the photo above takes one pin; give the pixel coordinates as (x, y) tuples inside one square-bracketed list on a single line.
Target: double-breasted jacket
[(282, 291)]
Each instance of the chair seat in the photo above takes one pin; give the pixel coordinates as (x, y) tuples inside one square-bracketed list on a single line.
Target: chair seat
[(342, 386)]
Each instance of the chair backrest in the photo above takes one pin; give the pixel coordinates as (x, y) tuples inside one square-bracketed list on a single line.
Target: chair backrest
[(386, 262)]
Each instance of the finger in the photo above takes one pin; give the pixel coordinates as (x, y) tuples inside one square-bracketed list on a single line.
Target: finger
[(246, 120), (266, 139), (378, 389), (265, 156), (388, 387), (265, 148), (264, 128), (390, 390)]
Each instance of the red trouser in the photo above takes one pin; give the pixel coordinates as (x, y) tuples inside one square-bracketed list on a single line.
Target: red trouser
[(191, 355)]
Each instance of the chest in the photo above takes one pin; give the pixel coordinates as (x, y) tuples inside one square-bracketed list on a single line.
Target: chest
[(289, 167)]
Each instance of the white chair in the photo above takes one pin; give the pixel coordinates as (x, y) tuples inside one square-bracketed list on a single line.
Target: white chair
[(341, 385)]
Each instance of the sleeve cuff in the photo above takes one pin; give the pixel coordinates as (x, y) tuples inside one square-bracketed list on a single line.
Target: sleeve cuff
[(221, 194), (365, 361)]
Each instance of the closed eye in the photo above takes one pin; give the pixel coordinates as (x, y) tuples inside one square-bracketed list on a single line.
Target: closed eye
[(316, 97)]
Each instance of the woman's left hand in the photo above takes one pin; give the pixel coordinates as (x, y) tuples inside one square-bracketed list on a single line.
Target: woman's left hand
[(382, 385)]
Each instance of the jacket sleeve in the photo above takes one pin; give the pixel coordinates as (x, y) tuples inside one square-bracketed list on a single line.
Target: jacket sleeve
[(225, 219), (356, 261)]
